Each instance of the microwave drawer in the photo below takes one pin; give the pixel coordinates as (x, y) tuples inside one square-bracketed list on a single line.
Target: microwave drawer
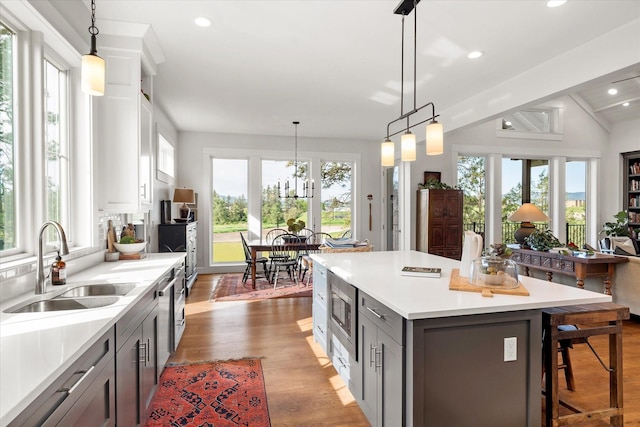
[(383, 317)]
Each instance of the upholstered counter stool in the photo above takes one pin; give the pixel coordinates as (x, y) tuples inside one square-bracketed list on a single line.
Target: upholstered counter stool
[(594, 319)]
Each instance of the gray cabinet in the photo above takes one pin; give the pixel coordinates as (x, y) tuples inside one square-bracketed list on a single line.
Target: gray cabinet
[(381, 338), (137, 369), (82, 396)]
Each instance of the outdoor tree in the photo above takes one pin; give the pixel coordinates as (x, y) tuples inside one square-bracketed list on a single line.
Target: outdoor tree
[(471, 180), (7, 220)]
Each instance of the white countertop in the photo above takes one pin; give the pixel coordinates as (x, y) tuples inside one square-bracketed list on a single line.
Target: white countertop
[(378, 274), (36, 348)]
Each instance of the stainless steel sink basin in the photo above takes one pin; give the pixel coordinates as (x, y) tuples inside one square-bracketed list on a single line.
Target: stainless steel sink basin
[(58, 304), (99, 290)]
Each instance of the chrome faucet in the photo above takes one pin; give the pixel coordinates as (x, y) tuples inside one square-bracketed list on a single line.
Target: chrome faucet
[(41, 279)]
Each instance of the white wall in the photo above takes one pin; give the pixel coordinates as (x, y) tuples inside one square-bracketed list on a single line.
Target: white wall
[(624, 137), (194, 172)]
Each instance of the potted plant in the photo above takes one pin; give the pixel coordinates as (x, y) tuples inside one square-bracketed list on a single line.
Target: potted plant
[(614, 229), (295, 226), (542, 240)]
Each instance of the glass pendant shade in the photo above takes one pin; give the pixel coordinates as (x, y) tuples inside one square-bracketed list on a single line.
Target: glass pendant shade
[(93, 74), (387, 153), (435, 136), (408, 147)]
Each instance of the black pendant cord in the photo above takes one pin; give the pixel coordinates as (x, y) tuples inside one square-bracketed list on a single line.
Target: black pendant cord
[(415, 109), (93, 30)]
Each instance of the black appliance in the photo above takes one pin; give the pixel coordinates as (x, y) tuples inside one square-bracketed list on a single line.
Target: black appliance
[(343, 309)]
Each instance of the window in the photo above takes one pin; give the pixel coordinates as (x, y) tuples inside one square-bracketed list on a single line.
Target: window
[(8, 228), (471, 180), (336, 197), (527, 121), (277, 177), (575, 204), (165, 160), (229, 209), (56, 149)]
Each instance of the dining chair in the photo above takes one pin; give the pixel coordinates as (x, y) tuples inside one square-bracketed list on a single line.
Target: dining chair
[(247, 257), (347, 234), (272, 234), (306, 263), (284, 255)]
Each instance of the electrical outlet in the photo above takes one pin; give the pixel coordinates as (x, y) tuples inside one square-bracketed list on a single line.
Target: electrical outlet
[(510, 349)]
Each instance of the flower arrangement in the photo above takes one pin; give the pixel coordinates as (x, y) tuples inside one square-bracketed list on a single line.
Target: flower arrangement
[(294, 226), (542, 240)]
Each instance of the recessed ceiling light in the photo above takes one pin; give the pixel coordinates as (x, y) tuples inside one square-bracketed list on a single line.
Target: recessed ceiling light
[(475, 54), (508, 123), (626, 104), (555, 3), (612, 91), (201, 21)]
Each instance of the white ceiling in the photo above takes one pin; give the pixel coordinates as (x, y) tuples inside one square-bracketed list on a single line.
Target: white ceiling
[(334, 65)]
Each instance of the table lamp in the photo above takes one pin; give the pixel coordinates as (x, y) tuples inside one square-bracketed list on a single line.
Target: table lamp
[(184, 196), (527, 214)]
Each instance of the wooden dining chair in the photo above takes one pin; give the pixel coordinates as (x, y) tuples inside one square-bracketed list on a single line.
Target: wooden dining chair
[(284, 255), (306, 263), (259, 260)]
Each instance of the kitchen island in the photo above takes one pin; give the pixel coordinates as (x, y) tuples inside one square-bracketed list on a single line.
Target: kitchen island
[(427, 355), (37, 348)]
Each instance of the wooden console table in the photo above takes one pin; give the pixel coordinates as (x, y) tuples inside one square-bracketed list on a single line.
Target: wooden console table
[(580, 267)]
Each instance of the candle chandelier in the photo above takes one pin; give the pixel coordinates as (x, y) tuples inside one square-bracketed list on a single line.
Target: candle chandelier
[(307, 188), (434, 131)]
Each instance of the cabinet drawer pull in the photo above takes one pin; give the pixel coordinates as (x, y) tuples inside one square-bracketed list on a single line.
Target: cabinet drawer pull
[(85, 374), (320, 296), (372, 354), (378, 360), (166, 288), (320, 329), (375, 313), (342, 362), (180, 322), (142, 356)]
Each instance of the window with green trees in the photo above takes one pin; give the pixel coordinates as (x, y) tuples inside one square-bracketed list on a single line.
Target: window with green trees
[(7, 189)]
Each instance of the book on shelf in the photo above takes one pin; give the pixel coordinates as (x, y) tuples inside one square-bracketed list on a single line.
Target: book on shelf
[(421, 271)]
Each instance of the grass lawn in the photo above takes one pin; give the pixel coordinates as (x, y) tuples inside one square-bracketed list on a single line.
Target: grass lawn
[(228, 252)]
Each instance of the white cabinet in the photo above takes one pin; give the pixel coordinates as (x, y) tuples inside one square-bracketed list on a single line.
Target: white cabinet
[(123, 136), (320, 306)]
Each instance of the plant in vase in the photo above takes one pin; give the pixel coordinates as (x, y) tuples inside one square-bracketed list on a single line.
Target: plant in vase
[(295, 226), (542, 240)]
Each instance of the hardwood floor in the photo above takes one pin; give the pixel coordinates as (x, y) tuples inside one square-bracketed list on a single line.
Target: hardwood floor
[(303, 389)]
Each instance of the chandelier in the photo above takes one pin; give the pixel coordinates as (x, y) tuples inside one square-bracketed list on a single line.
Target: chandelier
[(307, 188), (434, 130)]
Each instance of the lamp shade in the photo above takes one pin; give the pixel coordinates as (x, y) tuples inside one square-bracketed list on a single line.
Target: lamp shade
[(387, 153), (408, 147), (184, 195), (435, 139), (529, 212), (93, 74)]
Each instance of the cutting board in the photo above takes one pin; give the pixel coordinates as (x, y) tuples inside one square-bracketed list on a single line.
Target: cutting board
[(457, 283), (139, 255)]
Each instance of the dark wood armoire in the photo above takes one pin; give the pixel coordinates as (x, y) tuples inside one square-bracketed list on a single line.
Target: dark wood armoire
[(439, 222)]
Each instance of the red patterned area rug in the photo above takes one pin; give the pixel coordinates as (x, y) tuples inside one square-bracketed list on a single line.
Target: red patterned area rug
[(220, 394), (231, 288)]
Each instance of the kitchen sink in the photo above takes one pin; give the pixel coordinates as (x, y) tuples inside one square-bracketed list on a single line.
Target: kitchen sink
[(59, 304), (100, 289)]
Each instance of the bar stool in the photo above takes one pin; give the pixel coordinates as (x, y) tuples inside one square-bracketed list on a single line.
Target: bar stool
[(585, 314)]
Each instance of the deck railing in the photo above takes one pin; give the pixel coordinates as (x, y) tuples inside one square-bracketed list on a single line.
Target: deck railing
[(576, 233)]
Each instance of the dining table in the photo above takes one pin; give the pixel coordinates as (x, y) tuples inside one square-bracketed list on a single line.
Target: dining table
[(259, 246)]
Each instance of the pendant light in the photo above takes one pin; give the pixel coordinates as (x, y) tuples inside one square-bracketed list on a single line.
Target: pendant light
[(434, 130), (93, 67), (307, 187)]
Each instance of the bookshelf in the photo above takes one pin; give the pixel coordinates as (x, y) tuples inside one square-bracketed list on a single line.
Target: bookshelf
[(631, 195)]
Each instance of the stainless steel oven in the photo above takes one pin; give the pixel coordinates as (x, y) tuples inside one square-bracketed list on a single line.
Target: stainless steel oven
[(343, 306)]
